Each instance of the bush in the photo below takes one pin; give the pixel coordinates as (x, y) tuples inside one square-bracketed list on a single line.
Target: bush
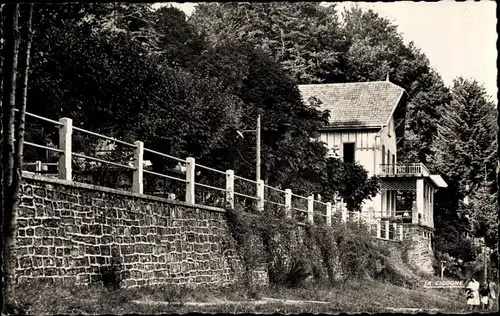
[(294, 252)]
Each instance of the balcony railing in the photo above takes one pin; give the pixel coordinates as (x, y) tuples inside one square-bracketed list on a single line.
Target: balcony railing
[(404, 169)]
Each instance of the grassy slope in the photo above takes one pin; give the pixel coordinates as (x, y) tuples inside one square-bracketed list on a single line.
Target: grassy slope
[(360, 296)]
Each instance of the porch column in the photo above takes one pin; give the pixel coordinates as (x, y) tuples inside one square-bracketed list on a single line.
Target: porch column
[(432, 208), (394, 194), (388, 203), (383, 201), (429, 208), (420, 199), (429, 205), (424, 211)]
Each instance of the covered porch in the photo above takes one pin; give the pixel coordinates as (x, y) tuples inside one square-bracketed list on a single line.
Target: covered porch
[(407, 194)]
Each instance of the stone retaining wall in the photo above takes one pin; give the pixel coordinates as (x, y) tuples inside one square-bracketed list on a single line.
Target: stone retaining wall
[(420, 253), (73, 232)]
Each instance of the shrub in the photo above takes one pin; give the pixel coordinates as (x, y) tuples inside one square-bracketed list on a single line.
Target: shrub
[(294, 253)]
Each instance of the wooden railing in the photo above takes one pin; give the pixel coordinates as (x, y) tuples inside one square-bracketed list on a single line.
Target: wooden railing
[(404, 169)]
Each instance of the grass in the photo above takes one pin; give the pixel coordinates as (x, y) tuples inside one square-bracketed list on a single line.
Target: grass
[(354, 296)]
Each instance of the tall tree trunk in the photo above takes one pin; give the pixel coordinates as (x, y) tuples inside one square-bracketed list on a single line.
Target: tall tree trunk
[(21, 98), (9, 90), (11, 35), (1, 148), (10, 229)]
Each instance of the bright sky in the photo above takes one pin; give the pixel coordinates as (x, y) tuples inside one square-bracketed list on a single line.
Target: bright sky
[(459, 38)]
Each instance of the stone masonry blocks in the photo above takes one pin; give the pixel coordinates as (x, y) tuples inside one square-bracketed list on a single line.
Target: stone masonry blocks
[(70, 234)]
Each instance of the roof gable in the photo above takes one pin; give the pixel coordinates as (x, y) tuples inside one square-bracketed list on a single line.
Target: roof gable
[(357, 104)]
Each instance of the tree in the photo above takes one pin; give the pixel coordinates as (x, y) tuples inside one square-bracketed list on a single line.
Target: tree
[(301, 36), (9, 73), (179, 42), (13, 97), (377, 50), (482, 210), (465, 146), (263, 87), (313, 45), (351, 182), (208, 93), (464, 153)]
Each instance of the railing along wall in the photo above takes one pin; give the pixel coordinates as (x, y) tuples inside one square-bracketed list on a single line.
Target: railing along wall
[(293, 204)]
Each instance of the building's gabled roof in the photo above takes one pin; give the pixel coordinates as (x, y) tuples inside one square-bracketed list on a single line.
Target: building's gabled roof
[(357, 104)]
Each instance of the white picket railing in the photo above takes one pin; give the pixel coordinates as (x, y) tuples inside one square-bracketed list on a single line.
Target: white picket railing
[(292, 203), (65, 172), (404, 169)]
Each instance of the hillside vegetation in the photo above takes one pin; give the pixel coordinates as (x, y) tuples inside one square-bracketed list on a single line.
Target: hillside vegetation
[(304, 278), (184, 86), (132, 72)]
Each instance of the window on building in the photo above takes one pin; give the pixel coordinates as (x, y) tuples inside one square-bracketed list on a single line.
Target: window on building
[(383, 154), (393, 159), (349, 152), (388, 156)]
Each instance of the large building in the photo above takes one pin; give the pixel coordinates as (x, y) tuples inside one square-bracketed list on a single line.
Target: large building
[(366, 125)]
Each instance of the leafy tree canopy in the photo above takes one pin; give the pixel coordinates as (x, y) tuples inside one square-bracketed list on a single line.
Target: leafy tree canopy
[(132, 73)]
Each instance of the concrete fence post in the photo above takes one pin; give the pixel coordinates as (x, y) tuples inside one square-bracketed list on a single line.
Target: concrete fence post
[(395, 226), (65, 136), (230, 188), (38, 166), (288, 203), (137, 182), (401, 232), (344, 211), (310, 209), (387, 229), (190, 183), (379, 230), (260, 195), (329, 213)]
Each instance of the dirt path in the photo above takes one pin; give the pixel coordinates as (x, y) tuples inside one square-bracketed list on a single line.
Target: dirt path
[(264, 300)]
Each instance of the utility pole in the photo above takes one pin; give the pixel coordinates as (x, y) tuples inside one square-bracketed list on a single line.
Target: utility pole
[(257, 167), (485, 263), (257, 145)]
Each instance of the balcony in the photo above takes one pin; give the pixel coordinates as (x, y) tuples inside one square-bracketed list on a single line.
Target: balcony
[(404, 170)]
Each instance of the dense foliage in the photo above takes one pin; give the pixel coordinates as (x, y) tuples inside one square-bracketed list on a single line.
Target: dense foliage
[(294, 254), (465, 152), (185, 86), (316, 44), (134, 73)]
